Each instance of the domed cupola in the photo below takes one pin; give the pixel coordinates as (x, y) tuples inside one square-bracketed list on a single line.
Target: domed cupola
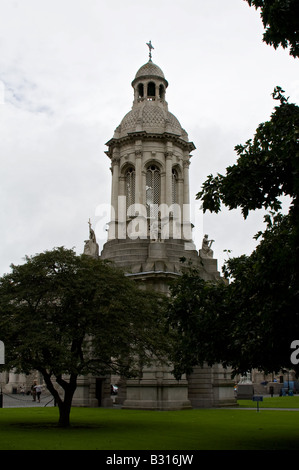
[(149, 83), (149, 112), (151, 117), (150, 69)]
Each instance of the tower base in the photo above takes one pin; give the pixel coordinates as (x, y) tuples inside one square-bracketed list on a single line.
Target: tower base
[(155, 263), (157, 390)]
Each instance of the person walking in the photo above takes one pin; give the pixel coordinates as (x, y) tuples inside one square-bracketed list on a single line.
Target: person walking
[(38, 391), (33, 390)]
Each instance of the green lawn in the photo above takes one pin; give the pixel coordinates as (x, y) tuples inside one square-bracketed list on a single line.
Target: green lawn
[(272, 402), (115, 429)]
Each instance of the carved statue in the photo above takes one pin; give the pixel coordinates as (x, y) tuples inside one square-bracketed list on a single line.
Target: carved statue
[(91, 247), (91, 233), (245, 379), (155, 230), (206, 250)]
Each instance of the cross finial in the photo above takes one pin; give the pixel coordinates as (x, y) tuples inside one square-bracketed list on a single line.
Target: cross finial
[(150, 46)]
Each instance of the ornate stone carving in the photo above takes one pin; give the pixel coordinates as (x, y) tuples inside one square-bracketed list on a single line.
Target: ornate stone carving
[(91, 247), (206, 251)]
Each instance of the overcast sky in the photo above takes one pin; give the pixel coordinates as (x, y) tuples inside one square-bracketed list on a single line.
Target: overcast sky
[(66, 68)]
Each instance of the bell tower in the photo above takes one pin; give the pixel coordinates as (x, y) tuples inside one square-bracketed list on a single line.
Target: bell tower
[(150, 229)]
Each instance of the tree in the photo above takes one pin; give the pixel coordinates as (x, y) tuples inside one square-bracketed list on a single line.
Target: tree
[(197, 318), (267, 166), (66, 315), (252, 321), (263, 300), (249, 323), (281, 21)]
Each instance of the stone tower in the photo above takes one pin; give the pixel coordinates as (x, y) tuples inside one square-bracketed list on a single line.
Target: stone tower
[(149, 233), (150, 229)]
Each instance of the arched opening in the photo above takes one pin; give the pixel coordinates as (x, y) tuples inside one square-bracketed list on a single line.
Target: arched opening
[(152, 191), (174, 186), (151, 90), (161, 92), (140, 90), (130, 190)]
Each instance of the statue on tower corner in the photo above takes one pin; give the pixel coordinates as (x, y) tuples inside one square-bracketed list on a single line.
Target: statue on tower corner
[(91, 247), (206, 251)]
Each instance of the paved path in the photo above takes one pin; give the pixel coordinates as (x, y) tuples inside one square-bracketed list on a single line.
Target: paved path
[(260, 408), (11, 400), (17, 400)]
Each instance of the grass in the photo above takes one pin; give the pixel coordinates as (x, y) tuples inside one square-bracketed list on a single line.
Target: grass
[(272, 402), (116, 429)]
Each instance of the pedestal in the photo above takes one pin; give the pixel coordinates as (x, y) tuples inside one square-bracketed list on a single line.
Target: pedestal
[(245, 391), (157, 390)]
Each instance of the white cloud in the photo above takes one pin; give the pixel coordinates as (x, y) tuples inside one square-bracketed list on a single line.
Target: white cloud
[(66, 70)]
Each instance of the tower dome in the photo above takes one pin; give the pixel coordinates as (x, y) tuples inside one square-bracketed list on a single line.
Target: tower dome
[(150, 112), (150, 118), (150, 70)]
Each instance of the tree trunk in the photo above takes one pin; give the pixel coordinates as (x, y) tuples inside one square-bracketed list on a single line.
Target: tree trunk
[(66, 404), (69, 390), (64, 414)]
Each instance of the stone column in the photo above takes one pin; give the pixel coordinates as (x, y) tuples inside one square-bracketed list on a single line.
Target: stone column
[(114, 195), (168, 182), (181, 192), (115, 183), (143, 187), (186, 201), (186, 165), (122, 209), (138, 177), (180, 202), (157, 91), (163, 187)]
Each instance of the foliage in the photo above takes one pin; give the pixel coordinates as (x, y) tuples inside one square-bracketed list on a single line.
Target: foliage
[(248, 323), (281, 21), (196, 315), (264, 299), (267, 166), (251, 321), (66, 315)]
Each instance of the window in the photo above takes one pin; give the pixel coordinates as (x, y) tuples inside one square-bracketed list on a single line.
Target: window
[(152, 190), (151, 90), (161, 92), (130, 189), (140, 90)]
